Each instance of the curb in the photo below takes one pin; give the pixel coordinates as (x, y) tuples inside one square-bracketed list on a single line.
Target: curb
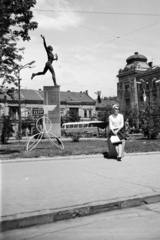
[(69, 157), (48, 216)]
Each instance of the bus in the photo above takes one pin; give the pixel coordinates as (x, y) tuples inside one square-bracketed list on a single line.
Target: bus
[(90, 128)]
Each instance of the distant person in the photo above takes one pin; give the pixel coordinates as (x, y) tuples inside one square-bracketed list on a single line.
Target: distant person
[(133, 129), (27, 131), (116, 127), (127, 126), (48, 66)]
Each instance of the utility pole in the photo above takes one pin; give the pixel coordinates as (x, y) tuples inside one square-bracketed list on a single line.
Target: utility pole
[(28, 65)]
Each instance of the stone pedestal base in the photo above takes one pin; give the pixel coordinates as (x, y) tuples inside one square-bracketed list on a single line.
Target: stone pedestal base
[(52, 104)]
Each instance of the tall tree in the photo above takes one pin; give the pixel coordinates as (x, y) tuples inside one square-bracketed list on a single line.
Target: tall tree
[(15, 23), (104, 114)]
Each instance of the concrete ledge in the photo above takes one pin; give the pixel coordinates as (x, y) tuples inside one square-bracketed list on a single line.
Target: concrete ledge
[(51, 216), (43, 158)]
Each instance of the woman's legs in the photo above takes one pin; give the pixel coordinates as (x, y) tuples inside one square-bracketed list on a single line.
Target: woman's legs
[(117, 149), (40, 73), (121, 150), (123, 146)]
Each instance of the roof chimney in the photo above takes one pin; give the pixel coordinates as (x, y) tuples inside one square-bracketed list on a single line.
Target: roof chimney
[(87, 92)]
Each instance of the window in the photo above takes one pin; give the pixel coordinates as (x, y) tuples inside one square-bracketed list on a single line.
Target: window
[(154, 97), (90, 113), (75, 126), (127, 88), (74, 110), (85, 113), (128, 102)]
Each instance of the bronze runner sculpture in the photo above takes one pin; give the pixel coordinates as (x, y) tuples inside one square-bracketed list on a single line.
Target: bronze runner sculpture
[(51, 57)]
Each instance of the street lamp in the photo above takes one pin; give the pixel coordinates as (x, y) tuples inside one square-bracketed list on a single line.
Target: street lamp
[(28, 65), (150, 98)]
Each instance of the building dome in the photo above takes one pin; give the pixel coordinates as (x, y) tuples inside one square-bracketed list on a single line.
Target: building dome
[(137, 61), (136, 58)]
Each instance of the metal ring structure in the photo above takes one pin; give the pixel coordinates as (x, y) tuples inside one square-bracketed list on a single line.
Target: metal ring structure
[(31, 145)]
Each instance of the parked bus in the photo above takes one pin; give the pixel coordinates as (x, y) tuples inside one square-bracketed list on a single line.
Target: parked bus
[(84, 128)]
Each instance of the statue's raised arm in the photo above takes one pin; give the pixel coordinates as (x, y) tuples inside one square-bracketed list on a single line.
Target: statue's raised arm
[(44, 42)]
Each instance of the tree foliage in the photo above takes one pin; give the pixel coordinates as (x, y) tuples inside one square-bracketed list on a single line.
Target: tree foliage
[(150, 119), (104, 115), (15, 23), (71, 116), (148, 116)]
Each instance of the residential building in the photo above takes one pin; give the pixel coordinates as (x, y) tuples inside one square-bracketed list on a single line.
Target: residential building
[(32, 104)]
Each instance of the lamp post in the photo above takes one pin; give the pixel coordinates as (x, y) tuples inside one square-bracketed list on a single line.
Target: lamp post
[(150, 97), (28, 65)]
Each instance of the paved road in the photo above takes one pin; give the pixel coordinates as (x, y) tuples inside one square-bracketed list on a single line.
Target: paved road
[(40, 185), (141, 223)]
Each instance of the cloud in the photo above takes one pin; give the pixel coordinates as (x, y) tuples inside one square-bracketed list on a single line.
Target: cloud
[(57, 20)]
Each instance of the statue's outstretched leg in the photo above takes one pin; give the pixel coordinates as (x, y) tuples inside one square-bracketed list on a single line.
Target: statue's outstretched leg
[(53, 74), (40, 73), (54, 79)]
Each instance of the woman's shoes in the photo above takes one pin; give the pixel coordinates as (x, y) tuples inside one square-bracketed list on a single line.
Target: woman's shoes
[(119, 159)]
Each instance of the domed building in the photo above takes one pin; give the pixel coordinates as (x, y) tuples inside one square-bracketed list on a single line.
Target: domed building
[(138, 82), (137, 61)]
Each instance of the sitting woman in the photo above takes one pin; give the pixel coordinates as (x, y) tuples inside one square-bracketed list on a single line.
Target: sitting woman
[(116, 127)]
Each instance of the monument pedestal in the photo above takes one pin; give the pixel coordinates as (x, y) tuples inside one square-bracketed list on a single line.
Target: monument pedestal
[(52, 103)]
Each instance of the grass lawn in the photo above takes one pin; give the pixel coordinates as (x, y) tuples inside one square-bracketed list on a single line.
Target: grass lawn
[(14, 150)]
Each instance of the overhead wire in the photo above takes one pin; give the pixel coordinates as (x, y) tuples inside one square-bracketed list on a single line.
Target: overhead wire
[(116, 37), (121, 37), (95, 12)]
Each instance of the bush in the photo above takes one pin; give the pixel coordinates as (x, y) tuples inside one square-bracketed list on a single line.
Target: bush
[(7, 130), (75, 137), (151, 131)]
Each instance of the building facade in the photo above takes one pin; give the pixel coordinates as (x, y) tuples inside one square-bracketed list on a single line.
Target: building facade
[(138, 82)]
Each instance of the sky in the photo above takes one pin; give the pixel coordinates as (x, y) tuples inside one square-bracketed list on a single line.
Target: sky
[(93, 39)]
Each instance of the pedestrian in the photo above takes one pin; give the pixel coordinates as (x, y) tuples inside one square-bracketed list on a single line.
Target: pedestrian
[(127, 126), (116, 128), (48, 66)]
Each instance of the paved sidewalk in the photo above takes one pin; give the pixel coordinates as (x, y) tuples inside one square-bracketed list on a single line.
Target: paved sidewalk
[(140, 223), (53, 190)]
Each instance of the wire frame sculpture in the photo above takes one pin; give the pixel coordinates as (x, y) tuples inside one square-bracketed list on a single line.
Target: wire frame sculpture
[(42, 130)]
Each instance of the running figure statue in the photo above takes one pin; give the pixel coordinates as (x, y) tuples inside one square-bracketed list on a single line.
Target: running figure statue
[(51, 57)]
